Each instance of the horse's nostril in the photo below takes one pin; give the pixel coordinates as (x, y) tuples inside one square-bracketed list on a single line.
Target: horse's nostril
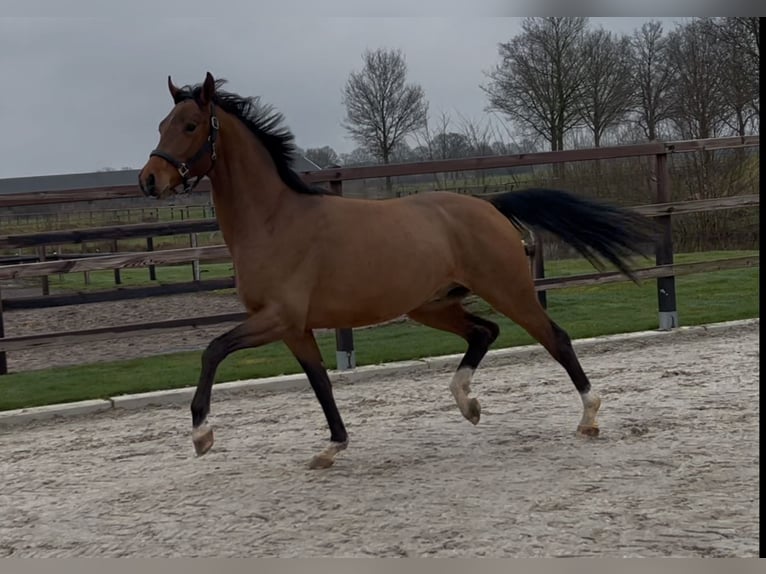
[(148, 186), (151, 185)]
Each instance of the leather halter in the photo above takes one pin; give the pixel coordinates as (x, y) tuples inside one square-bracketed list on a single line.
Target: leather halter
[(184, 167)]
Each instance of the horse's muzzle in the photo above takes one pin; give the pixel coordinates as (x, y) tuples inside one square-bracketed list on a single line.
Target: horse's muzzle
[(148, 187)]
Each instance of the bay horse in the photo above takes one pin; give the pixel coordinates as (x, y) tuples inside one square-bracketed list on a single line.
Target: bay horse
[(307, 259)]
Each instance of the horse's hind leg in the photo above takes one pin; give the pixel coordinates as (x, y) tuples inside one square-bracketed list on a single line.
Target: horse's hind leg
[(478, 332), (517, 300), (306, 351)]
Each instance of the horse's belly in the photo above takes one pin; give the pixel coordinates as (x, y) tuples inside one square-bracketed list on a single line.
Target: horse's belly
[(361, 305)]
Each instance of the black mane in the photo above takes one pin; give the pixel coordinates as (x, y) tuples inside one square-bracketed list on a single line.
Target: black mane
[(266, 124)]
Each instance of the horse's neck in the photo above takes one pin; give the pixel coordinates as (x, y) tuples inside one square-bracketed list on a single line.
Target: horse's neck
[(246, 187)]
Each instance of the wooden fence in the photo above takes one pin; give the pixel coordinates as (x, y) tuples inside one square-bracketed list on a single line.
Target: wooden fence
[(662, 210)]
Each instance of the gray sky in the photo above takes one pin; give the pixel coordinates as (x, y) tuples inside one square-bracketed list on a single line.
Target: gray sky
[(82, 94)]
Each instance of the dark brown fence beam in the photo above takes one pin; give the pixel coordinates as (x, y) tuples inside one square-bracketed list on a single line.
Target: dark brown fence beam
[(712, 144), (127, 293), (404, 169), (69, 337), (482, 163), (699, 205), (112, 232), (114, 332), (676, 269), (148, 230), (81, 195), (121, 261)]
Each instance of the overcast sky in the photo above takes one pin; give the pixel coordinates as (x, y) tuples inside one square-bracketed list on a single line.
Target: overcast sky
[(83, 94)]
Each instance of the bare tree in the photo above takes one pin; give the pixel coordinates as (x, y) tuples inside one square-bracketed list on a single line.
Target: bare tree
[(652, 77), (740, 41), (322, 156), (744, 35), (402, 152), (538, 80), (381, 108), (606, 94), (430, 139), (427, 134), (479, 135), (697, 91), (358, 156)]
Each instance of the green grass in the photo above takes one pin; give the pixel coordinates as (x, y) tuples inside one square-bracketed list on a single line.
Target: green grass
[(101, 280), (582, 311)]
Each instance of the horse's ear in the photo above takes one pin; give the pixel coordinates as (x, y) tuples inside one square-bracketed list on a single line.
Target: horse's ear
[(174, 91), (208, 90)]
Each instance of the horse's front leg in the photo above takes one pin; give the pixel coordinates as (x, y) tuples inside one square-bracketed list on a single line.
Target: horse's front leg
[(264, 326), (306, 350)]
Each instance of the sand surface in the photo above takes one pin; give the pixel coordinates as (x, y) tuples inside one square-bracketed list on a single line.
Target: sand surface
[(675, 472)]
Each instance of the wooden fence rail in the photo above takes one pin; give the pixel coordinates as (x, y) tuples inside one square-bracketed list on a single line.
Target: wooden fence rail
[(141, 230), (129, 330), (111, 232), (662, 210), (121, 261), (328, 176), (123, 294)]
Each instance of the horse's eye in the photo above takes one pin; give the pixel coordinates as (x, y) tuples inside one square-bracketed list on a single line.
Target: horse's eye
[(191, 127)]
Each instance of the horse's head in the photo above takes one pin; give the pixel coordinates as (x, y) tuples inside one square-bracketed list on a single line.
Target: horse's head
[(187, 146)]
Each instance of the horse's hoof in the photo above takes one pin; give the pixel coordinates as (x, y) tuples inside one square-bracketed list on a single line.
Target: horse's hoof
[(202, 437), (323, 460), (473, 412), (590, 431), (326, 458)]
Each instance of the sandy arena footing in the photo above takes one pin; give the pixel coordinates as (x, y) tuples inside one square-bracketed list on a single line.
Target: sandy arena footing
[(674, 473)]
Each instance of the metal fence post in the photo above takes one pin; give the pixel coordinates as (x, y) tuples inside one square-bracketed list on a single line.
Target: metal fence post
[(3, 360), (152, 268), (666, 286), (117, 275), (195, 263), (44, 280), (345, 355)]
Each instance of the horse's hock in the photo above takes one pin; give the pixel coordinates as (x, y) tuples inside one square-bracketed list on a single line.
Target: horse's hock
[(675, 471)]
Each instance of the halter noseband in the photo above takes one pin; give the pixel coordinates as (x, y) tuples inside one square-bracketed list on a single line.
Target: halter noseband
[(184, 167)]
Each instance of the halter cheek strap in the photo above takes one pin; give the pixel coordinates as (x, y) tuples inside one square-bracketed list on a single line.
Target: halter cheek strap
[(184, 167)]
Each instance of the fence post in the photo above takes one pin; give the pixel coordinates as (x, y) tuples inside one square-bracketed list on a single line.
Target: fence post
[(666, 286), (117, 276), (44, 280), (345, 355), (152, 268), (195, 263), (3, 360)]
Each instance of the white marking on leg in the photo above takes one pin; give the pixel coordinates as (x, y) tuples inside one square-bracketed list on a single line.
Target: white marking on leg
[(202, 437), (460, 386), (590, 405), (326, 458)]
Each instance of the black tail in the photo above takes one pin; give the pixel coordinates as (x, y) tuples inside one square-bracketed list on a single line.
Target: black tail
[(593, 228)]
